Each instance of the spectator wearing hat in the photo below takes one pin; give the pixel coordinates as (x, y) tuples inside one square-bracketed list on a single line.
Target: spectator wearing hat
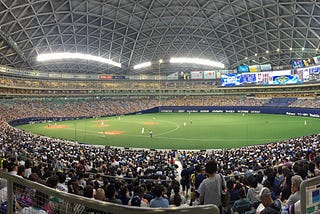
[(268, 205)]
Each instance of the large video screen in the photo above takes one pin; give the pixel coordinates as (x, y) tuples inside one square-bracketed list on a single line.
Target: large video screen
[(284, 79), (280, 77)]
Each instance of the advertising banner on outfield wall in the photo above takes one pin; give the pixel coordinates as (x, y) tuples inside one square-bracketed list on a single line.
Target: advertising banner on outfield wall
[(315, 113)]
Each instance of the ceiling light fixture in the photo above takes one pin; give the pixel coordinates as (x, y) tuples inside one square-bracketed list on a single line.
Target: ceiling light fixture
[(197, 61), (67, 55), (142, 65)]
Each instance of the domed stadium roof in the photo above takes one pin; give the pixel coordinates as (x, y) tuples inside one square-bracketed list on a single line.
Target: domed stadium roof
[(130, 32)]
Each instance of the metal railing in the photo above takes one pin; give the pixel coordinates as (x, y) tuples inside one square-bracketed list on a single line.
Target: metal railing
[(65, 203)]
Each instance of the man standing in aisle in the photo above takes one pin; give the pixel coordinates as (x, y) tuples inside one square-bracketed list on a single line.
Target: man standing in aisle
[(210, 188)]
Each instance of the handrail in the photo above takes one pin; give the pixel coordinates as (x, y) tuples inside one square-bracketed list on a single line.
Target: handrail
[(96, 204)]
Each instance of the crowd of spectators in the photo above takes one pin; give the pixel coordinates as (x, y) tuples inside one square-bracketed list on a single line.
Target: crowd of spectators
[(113, 168), (306, 103), (109, 84), (204, 85), (23, 108), (122, 176)]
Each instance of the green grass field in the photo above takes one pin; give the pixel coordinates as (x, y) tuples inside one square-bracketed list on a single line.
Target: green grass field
[(207, 131)]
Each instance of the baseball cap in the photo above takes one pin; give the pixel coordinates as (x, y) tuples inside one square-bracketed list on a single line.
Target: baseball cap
[(265, 191)]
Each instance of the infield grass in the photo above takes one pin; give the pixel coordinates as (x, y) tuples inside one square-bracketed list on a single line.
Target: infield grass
[(175, 131)]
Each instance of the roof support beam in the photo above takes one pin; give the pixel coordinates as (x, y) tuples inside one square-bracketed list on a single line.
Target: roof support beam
[(12, 44)]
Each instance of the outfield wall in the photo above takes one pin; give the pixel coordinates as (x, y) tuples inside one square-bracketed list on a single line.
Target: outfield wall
[(307, 112)]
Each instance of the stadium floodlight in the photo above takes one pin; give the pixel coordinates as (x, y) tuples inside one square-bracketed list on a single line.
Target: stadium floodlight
[(67, 55), (197, 61), (142, 65)]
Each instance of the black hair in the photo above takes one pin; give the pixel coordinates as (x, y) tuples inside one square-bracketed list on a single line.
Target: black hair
[(158, 189), (211, 167)]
